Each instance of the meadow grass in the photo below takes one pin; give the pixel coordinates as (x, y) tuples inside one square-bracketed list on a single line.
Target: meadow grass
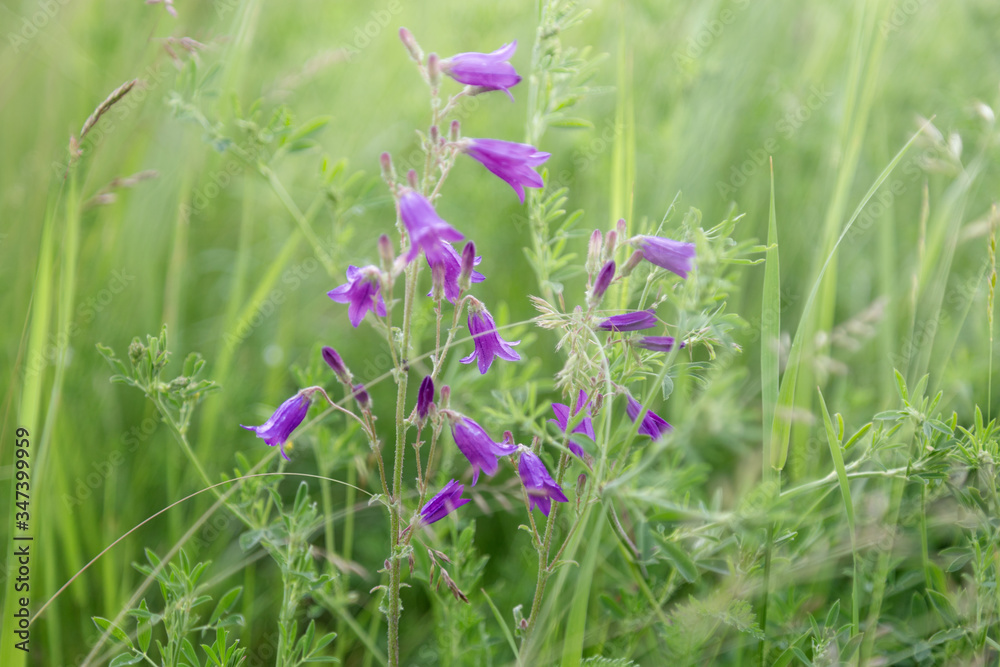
[(829, 494)]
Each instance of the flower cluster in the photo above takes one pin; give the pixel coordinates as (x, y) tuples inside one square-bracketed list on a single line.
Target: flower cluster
[(423, 231)]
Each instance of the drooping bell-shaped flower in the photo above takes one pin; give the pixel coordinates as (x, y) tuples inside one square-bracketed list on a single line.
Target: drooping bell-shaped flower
[(488, 342), (425, 397), (652, 424), (478, 447), (586, 426), (541, 488), (674, 256), (447, 500), (636, 321), (362, 291), (451, 262), (486, 70), (426, 228), (362, 397), (657, 343), (514, 163), (276, 430)]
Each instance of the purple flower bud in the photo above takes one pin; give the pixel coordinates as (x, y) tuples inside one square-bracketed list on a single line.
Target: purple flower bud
[(594, 253), (456, 131), (656, 343), (604, 279), (435, 133), (385, 253), (388, 173), (434, 70), (622, 228), (512, 162), (362, 291), (633, 261), (362, 397), (334, 361), (276, 430), (668, 254), (425, 397), (444, 503), (488, 342), (445, 396), (468, 262), (637, 321), (486, 70), (427, 230), (585, 427), (652, 424), (541, 488), (610, 244), (412, 179), (478, 447), (411, 45)]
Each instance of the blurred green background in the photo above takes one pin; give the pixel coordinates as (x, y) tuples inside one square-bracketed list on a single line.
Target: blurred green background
[(713, 88)]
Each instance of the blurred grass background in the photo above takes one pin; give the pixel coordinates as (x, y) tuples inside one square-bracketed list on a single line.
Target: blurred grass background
[(715, 86)]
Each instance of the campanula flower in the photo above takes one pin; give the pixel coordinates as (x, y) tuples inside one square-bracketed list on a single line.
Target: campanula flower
[(488, 342), (362, 291), (451, 262), (585, 427), (510, 161), (286, 418), (478, 447), (427, 230), (652, 424), (425, 397), (486, 70), (657, 343), (444, 503), (668, 254), (541, 488), (362, 397), (637, 321)]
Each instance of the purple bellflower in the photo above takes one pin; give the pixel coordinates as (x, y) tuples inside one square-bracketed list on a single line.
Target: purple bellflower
[(486, 70), (541, 488), (276, 430), (652, 424), (637, 321), (478, 447), (657, 343), (667, 254), (452, 263), (585, 427), (444, 503), (362, 291), (427, 230), (509, 161), (425, 397), (488, 342)]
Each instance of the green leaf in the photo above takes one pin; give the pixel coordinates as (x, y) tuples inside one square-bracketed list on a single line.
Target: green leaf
[(770, 330), (678, 557), (105, 625), (225, 604), (126, 659), (144, 634)]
